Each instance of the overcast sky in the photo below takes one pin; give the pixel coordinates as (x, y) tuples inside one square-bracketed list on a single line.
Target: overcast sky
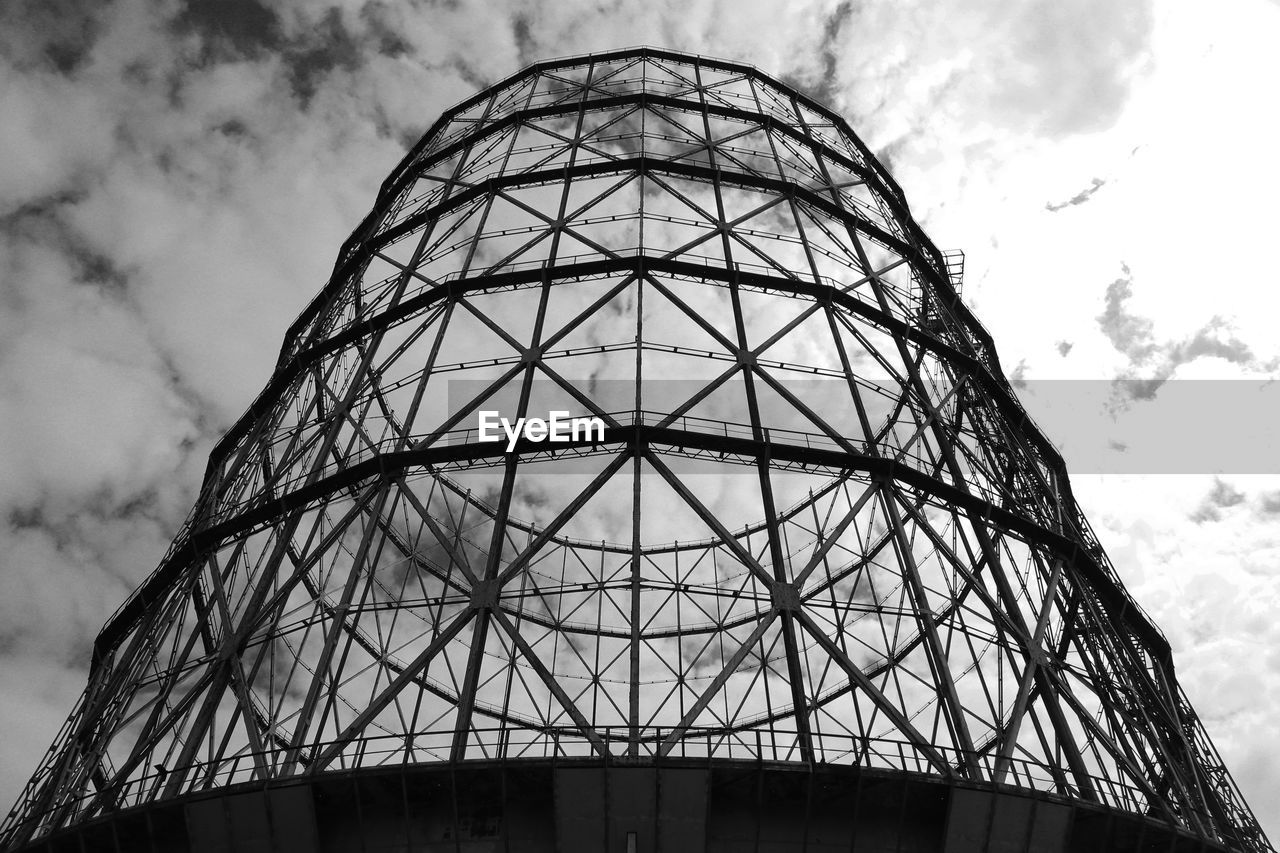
[(176, 178)]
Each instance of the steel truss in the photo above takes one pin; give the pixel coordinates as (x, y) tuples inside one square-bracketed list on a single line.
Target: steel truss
[(819, 528)]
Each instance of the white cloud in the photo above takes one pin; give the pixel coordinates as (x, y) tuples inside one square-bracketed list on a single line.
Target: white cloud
[(47, 149)]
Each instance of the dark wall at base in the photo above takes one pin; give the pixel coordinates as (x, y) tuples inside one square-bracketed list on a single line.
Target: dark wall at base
[(574, 806)]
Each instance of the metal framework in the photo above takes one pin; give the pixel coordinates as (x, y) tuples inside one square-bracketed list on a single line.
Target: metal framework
[(819, 526)]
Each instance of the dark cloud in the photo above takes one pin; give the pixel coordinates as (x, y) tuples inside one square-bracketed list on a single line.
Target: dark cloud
[(1018, 378), (385, 39), (825, 88), (26, 517), (310, 43), (1270, 504), (230, 29), (50, 34), (1222, 496), (233, 30), (1128, 333), (43, 221), (1152, 362), (1138, 389), (1214, 339), (1079, 198), (524, 40), (331, 45)]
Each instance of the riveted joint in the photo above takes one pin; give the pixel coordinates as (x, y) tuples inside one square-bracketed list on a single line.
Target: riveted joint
[(785, 596), (484, 594)]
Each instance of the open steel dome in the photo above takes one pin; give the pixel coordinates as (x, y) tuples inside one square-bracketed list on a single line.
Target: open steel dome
[(807, 578)]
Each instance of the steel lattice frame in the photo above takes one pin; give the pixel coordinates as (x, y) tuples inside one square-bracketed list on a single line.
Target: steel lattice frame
[(819, 527)]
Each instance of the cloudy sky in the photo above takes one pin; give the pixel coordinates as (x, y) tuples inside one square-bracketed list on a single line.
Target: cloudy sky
[(177, 177)]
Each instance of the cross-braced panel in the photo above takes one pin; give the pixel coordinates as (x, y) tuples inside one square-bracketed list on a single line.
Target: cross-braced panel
[(817, 525)]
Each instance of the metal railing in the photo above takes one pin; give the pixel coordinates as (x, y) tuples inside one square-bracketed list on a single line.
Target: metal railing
[(609, 744)]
